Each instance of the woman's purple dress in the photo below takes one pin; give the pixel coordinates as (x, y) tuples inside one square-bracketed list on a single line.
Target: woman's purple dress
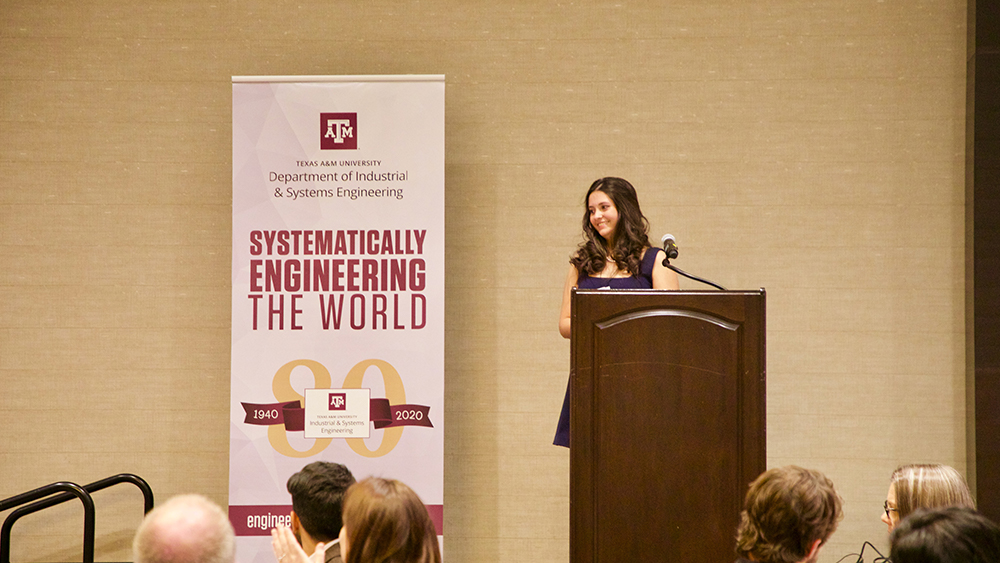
[(643, 281)]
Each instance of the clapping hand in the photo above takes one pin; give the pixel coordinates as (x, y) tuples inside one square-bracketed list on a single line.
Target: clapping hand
[(287, 549)]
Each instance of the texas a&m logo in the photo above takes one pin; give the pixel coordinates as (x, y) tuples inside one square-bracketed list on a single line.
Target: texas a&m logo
[(338, 401), (338, 131)]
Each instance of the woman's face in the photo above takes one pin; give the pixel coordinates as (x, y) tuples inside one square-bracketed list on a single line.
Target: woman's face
[(603, 214), (891, 516), (343, 542)]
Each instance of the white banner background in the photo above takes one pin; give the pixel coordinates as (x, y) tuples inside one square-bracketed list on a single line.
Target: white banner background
[(277, 130)]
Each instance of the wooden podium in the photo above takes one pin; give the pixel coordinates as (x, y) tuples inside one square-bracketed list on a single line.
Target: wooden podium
[(667, 422)]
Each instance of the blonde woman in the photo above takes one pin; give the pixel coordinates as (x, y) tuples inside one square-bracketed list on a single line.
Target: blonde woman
[(924, 486)]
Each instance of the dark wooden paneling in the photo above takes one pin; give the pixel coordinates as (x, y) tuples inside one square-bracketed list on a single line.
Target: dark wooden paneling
[(985, 72)]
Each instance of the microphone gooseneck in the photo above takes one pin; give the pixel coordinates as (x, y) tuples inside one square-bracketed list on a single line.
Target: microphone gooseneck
[(670, 248)]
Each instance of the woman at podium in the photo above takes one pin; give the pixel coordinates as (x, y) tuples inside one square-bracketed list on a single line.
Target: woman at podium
[(615, 253)]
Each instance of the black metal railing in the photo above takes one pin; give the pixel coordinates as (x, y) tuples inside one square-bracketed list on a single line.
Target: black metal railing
[(58, 493)]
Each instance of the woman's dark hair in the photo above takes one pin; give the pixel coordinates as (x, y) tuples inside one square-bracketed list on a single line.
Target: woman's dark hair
[(631, 233)]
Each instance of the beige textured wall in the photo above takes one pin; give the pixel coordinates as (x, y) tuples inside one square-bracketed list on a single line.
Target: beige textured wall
[(813, 148)]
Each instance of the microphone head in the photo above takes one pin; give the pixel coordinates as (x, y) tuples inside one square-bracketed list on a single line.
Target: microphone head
[(669, 246)]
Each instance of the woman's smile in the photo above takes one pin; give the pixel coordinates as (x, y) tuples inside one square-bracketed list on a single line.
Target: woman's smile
[(603, 214)]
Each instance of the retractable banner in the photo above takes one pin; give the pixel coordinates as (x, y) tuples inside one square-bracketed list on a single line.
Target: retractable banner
[(338, 289)]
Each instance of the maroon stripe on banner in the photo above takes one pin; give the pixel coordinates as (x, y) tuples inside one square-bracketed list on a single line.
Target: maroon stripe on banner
[(257, 520), (437, 516)]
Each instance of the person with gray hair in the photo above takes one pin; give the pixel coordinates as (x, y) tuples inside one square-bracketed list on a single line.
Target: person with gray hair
[(185, 529)]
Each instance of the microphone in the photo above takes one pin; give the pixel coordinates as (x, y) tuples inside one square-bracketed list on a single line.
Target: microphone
[(669, 246)]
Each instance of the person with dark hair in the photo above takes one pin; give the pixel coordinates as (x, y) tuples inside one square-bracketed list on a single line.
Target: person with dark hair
[(384, 522), (788, 514), (954, 534), (317, 502), (185, 529), (924, 485), (615, 253)]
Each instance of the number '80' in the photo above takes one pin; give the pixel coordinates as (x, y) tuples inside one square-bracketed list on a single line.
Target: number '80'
[(283, 392)]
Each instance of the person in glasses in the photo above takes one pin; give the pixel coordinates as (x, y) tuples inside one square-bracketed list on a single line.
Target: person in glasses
[(955, 534), (924, 486), (788, 514)]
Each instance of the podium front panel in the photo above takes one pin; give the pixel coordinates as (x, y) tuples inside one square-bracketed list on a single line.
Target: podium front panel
[(667, 422)]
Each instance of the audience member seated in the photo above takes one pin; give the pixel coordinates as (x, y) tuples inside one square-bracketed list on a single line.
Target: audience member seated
[(924, 486), (384, 520), (185, 529), (317, 502), (788, 514), (955, 534)]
